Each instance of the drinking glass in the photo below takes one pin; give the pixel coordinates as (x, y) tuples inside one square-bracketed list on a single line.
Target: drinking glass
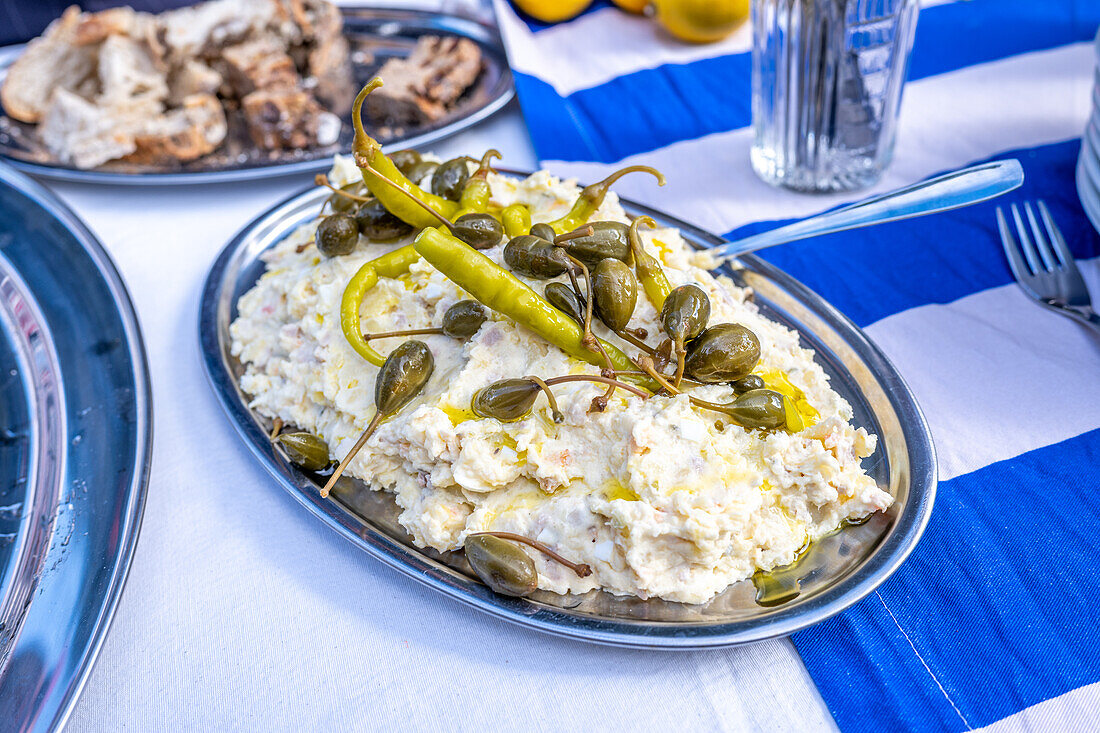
[(827, 77)]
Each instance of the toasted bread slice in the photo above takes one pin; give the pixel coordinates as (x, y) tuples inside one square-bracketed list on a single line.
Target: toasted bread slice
[(80, 133), (182, 134), (424, 86), (52, 61)]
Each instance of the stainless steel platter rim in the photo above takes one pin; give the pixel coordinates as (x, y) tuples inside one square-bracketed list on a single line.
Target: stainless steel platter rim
[(886, 558), (59, 172), (143, 411)]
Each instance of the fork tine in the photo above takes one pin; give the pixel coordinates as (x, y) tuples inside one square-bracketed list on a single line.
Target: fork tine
[(1056, 238), (1040, 239), (1015, 261), (1025, 242)]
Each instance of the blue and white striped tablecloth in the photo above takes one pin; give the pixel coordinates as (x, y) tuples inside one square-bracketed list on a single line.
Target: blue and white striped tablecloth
[(994, 620)]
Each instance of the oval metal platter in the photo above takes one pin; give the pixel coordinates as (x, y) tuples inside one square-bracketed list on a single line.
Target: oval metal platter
[(75, 441), (375, 35), (836, 572)]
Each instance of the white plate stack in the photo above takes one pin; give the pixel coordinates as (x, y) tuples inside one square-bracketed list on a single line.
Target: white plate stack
[(1088, 163)]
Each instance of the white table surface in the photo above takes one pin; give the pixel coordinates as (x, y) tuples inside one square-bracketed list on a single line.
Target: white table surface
[(243, 612)]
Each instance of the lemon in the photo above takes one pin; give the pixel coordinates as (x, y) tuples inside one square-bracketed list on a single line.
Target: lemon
[(552, 11), (701, 21), (632, 6)]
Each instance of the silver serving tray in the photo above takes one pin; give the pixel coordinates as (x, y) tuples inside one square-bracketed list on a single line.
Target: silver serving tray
[(374, 35), (837, 571), (75, 440)]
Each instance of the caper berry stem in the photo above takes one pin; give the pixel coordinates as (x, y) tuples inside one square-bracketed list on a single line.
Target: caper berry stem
[(681, 357), (393, 184), (595, 192), (597, 378), (484, 167), (629, 337), (351, 454), (581, 569), (589, 339), (554, 411), (707, 405), (409, 332), (686, 380), (585, 231), (276, 428), (647, 366), (322, 180)]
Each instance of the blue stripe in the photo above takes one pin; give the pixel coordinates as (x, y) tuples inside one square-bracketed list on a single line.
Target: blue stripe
[(878, 271), (998, 599), (653, 108)]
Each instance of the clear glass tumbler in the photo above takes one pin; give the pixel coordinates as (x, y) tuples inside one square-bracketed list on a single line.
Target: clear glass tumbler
[(827, 77)]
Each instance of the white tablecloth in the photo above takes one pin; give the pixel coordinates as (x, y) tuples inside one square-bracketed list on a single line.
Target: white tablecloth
[(243, 612)]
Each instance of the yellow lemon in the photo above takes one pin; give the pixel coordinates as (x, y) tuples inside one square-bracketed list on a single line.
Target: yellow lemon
[(701, 21), (552, 11), (632, 6)]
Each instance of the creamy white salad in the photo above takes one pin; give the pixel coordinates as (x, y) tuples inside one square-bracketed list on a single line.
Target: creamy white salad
[(659, 497)]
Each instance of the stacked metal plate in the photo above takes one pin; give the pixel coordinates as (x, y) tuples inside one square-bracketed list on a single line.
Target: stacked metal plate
[(75, 439), (1088, 162)]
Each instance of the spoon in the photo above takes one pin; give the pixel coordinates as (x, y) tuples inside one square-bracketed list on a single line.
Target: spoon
[(942, 193)]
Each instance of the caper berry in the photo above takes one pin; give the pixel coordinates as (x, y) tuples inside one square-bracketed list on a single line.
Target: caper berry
[(723, 353), (463, 319), (480, 231), (450, 178), (565, 299), (337, 234), (747, 384), (305, 449), (506, 400), (608, 239), (545, 231), (758, 408), (535, 257), (614, 292), (418, 172), (685, 313), (346, 204), (402, 376), (378, 224), (501, 564), (405, 160)]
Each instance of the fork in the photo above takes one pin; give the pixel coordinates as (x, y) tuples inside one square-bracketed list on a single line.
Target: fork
[(1044, 267)]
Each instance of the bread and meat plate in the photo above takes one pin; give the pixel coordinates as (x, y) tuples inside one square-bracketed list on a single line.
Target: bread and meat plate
[(375, 36)]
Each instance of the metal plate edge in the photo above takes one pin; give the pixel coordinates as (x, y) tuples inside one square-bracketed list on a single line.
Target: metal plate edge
[(137, 489), (73, 175), (901, 540)]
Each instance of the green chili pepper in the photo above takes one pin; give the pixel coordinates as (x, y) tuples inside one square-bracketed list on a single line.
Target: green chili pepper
[(475, 194), (372, 163), (592, 197), (516, 219), (650, 274), (393, 264), (503, 292)]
